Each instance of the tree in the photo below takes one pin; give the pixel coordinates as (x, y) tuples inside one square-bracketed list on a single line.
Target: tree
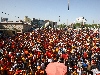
[(77, 25), (62, 26), (86, 25)]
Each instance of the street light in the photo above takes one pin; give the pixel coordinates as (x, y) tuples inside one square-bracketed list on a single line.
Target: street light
[(59, 20), (83, 21)]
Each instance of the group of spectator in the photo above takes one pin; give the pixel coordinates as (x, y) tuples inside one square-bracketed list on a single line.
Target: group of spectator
[(30, 53)]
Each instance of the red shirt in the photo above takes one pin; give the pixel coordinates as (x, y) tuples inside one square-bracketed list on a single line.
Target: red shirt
[(98, 49), (38, 53), (6, 65), (65, 56), (49, 54), (18, 71), (85, 55), (75, 67)]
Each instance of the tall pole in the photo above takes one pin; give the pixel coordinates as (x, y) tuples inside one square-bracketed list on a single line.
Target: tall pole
[(59, 20), (93, 21), (67, 22)]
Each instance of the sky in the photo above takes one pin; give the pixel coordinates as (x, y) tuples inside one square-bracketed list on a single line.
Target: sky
[(51, 10)]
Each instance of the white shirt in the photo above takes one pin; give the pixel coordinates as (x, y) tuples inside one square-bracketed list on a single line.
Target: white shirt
[(79, 71), (1, 51), (80, 64), (49, 60), (59, 52), (95, 71)]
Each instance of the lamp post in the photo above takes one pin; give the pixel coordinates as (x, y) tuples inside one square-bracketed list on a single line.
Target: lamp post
[(59, 20), (83, 21)]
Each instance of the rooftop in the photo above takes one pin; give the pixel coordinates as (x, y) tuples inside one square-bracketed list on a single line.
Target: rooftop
[(10, 22)]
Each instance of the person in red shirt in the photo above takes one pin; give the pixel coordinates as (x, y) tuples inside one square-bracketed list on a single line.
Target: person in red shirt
[(85, 55), (49, 54)]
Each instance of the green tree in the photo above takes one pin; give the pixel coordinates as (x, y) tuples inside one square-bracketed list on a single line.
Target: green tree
[(94, 25), (86, 25), (77, 25), (62, 26)]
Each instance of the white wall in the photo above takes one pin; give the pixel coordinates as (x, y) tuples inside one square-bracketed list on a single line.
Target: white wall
[(22, 27), (81, 20), (11, 26)]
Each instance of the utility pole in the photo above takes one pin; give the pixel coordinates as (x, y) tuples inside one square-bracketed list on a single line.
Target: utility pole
[(59, 22)]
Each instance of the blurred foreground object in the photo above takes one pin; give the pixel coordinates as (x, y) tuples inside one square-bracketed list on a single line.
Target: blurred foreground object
[(68, 4), (56, 68)]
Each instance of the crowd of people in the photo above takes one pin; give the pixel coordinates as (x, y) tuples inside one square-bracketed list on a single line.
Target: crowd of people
[(30, 53)]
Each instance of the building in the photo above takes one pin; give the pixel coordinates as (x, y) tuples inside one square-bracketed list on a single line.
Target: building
[(43, 23), (27, 20), (55, 24), (38, 23), (15, 27), (50, 23), (4, 19), (35, 23), (81, 20)]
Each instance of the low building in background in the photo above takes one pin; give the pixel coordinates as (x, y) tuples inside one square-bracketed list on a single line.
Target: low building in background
[(51, 24), (81, 20), (15, 27), (37, 23), (27, 20), (25, 25), (4, 19)]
